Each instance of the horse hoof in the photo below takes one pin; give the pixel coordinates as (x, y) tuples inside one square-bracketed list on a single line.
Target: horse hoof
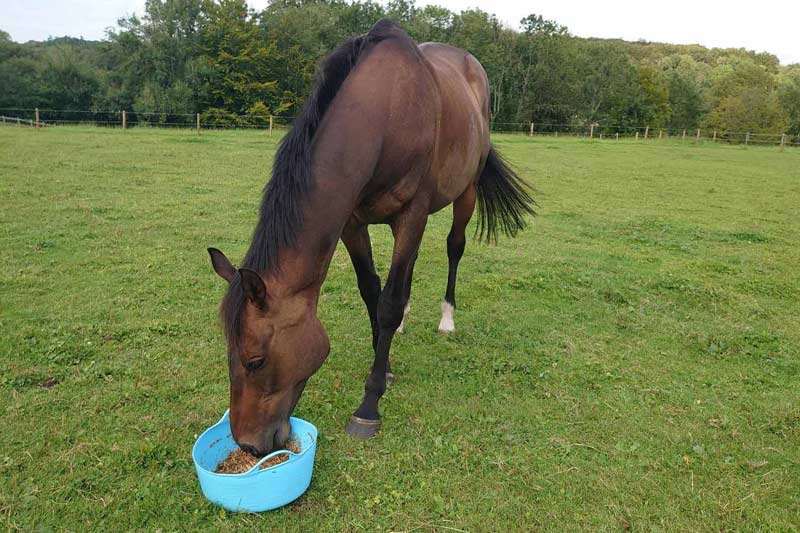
[(363, 429), (389, 378), (446, 332)]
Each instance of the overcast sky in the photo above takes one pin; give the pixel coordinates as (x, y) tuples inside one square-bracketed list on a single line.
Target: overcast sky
[(768, 25)]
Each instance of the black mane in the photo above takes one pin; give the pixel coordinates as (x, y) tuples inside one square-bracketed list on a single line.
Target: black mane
[(281, 212)]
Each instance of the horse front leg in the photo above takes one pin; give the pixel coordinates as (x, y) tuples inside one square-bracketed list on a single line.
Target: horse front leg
[(407, 229), (356, 240)]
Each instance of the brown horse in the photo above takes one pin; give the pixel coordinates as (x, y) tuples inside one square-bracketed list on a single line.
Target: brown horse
[(392, 132)]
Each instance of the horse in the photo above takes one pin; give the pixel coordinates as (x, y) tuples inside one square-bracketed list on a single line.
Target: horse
[(392, 132)]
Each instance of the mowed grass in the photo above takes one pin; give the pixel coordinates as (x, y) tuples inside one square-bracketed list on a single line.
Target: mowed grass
[(628, 362)]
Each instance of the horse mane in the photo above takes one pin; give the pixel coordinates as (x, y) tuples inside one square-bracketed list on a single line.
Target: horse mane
[(281, 211)]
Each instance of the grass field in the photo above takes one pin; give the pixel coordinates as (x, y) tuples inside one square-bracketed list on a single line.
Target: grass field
[(629, 362)]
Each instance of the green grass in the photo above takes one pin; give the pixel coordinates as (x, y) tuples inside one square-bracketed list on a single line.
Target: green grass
[(630, 361)]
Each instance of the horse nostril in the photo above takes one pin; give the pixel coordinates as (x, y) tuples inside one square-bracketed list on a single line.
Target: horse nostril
[(249, 449)]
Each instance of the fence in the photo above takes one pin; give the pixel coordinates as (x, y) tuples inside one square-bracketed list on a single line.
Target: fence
[(616, 132), (35, 117)]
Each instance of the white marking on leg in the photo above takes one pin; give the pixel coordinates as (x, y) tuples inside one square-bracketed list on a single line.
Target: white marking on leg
[(447, 324), (405, 314)]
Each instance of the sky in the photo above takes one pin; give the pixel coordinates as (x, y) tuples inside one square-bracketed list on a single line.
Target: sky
[(768, 25)]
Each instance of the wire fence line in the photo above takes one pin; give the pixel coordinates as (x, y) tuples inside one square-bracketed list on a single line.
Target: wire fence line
[(35, 117)]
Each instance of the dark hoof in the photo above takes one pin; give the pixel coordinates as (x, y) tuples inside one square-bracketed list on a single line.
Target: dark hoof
[(389, 378), (361, 428)]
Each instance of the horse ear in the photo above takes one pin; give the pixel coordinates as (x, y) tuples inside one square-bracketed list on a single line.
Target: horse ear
[(254, 287), (221, 265)]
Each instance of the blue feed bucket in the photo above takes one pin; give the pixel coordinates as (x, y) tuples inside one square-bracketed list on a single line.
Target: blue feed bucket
[(255, 490)]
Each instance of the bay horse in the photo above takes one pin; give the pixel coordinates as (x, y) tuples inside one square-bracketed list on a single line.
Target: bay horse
[(392, 132)]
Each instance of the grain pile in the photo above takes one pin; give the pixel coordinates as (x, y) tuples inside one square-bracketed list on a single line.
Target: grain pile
[(239, 461)]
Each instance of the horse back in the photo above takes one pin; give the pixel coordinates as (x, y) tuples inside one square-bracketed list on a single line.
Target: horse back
[(413, 123)]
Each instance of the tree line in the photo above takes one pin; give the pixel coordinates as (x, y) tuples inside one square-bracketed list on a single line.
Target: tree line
[(237, 66)]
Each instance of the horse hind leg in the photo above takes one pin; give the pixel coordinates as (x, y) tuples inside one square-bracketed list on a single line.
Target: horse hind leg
[(402, 325), (463, 207), (407, 295)]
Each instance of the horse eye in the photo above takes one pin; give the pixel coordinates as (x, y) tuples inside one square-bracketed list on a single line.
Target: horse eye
[(254, 364)]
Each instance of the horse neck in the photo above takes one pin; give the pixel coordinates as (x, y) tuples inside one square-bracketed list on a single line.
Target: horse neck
[(304, 267)]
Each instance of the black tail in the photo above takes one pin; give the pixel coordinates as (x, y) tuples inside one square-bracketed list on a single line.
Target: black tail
[(503, 199)]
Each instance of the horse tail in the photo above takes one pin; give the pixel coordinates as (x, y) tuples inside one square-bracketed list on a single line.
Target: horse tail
[(503, 199)]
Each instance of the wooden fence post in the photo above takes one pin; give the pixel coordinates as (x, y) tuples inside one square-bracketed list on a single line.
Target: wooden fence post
[(591, 130), (747, 138), (37, 119), (270, 124), (601, 136), (697, 137), (783, 141), (684, 135), (197, 122), (124, 120), (660, 134), (617, 136), (646, 131), (18, 122), (715, 135), (637, 135)]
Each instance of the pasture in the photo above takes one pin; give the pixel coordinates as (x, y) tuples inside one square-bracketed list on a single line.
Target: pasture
[(628, 362)]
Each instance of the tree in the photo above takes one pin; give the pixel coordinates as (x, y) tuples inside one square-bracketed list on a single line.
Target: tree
[(743, 98), (241, 64), (685, 78), (219, 58), (68, 81), (789, 97)]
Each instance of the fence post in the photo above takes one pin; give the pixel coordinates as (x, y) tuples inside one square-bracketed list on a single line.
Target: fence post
[(270, 124), (637, 135), (617, 136), (646, 131), (715, 135), (591, 130), (37, 119), (124, 120), (747, 138), (601, 136), (197, 119), (660, 134), (531, 129), (697, 137), (783, 141), (18, 122), (684, 135)]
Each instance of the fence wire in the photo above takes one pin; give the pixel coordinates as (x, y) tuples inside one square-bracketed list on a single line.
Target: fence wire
[(32, 117)]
